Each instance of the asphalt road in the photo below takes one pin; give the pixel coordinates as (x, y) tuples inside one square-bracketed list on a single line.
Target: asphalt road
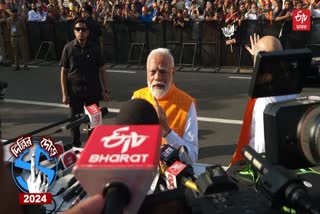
[(33, 100)]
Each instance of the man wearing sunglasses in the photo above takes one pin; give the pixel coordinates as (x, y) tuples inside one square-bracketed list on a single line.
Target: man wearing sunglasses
[(82, 68)]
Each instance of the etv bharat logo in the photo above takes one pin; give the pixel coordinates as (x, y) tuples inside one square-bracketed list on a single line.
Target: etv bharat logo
[(118, 139), (301, 20), (36, 176)]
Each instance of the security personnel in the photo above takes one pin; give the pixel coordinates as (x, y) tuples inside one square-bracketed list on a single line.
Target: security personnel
[(82, 69), (18, 31)]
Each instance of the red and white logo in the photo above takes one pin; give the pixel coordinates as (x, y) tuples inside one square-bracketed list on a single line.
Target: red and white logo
[(92, 109), (172, 172), (171, 181), (127, 146), (125, 138), (60, 148), (176, 168), (95, 115), (68, 158), (301, 20)]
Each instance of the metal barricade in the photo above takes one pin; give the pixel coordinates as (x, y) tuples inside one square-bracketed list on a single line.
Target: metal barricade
[(121, 42), (138, 41), (173, 39), (190, 42), (34, 36), (61, 34), (199, 43), (209, 55), (108, 34), (155, 35)]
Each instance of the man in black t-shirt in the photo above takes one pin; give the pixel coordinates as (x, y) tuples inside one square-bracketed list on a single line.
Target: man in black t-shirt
[(82, 70)]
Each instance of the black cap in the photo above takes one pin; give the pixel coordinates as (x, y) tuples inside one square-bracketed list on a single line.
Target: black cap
[(137, 112)]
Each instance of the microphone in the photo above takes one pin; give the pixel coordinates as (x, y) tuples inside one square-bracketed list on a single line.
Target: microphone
[(67, 159), (61, 147), (175, 175), (50, 126), (122, 160), (184, 156), (169, 154), (215, 180), (170, 201), (66, 163), (69, 184), (137, 112), (279, 184), (79, 198), (175, 171), (72, 192), (93, 115)]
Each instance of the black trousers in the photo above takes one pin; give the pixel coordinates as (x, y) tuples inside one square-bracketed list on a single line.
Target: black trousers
[(77, 104)]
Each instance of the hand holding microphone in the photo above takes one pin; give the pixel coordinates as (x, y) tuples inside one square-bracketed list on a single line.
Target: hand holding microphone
[(122, 160)]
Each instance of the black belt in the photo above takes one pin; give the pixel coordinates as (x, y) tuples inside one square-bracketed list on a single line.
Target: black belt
[(16, 36)]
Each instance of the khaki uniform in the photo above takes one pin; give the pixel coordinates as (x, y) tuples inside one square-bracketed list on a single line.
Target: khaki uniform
[(18, 32)]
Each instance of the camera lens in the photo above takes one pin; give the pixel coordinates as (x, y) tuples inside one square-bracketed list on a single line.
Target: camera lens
[(309, 135)]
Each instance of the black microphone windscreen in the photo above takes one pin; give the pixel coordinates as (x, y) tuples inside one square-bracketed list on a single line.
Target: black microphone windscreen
[(104, 111), (137, 112)]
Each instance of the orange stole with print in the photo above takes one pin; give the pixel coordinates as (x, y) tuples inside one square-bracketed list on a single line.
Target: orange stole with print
[(245, 131), (175, 103)]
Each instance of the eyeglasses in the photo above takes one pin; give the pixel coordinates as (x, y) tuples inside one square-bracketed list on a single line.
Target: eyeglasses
[(83, 11), (81, 29)]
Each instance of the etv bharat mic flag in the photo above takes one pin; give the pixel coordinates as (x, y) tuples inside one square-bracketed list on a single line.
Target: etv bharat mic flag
[(122, 153)]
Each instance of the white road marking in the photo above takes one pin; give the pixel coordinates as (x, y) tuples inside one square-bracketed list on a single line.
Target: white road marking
[(120, 71), (219, 120), (239, 77), (113, 110), (30, 66), (48, 104)]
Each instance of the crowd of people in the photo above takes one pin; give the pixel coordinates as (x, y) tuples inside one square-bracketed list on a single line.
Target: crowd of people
[(229, 11), (179, 12)]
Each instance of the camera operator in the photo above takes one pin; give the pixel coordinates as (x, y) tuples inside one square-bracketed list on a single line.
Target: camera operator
[(252, 130)]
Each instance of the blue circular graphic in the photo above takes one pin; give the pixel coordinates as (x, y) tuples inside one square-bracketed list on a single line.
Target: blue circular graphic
[(50, 171)]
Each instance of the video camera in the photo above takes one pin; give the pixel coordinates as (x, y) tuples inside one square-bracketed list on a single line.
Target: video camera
[(291, 126)]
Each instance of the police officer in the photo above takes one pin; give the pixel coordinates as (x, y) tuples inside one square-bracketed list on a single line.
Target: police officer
[(18, 31)]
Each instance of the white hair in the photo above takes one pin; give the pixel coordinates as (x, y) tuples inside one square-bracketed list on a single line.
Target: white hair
[(161, 51)]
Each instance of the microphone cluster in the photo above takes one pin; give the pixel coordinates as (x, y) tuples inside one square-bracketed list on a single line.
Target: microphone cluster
[(122, 160)]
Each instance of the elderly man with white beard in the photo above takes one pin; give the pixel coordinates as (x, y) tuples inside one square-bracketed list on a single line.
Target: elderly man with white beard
[(176, 109)]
